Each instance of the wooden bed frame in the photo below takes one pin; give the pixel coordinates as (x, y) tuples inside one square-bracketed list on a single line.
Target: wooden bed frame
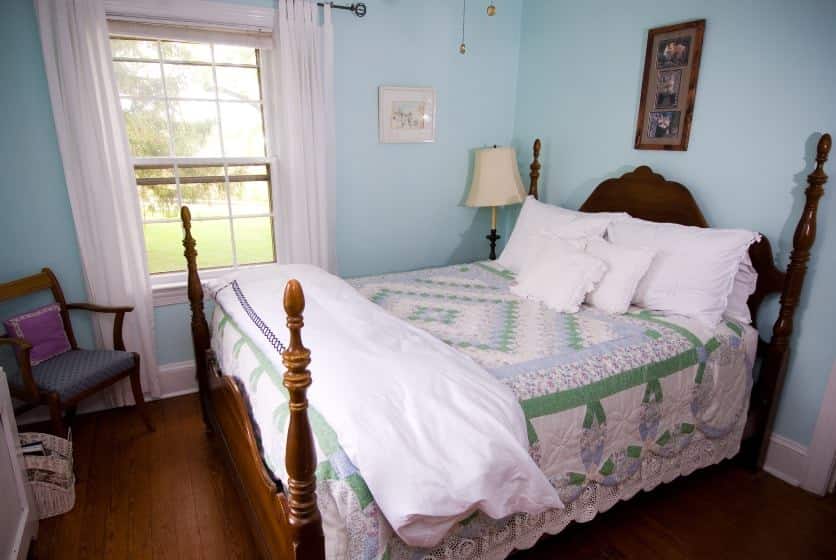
[(285, 520)]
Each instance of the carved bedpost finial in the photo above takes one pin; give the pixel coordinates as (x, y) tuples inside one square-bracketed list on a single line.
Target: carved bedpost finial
[(535, 170), (300, 458), (773, 370), (823, 148)]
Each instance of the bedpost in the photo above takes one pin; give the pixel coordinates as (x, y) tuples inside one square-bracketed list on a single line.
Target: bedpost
[(200, 328), (300, 460), (774, 367), (535, 170)]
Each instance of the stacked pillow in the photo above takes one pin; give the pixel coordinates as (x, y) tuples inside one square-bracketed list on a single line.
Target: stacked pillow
[(561, 258), (539, 219), (694, 270)]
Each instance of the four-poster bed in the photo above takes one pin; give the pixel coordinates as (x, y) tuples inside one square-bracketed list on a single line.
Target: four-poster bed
[(284, 515)]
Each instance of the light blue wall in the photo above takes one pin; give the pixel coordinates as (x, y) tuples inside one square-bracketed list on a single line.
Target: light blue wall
[(36, 224), (399, 204), (765, 91)]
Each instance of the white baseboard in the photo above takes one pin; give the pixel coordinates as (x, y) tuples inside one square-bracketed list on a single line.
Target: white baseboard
[(175, 379), (786, 459)]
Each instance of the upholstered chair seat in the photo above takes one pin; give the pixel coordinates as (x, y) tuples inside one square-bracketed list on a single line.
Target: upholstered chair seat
[(74, 372)]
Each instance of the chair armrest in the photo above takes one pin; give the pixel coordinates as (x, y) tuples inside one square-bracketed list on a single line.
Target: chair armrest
[(22, 349), (118, 342)]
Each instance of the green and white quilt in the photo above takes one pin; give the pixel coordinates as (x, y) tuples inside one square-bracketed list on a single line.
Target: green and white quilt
[(613, 403)]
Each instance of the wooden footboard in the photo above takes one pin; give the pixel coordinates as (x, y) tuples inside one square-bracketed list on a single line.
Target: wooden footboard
[(285, 521)]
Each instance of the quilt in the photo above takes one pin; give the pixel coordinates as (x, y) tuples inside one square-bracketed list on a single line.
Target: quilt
[(613, 403)]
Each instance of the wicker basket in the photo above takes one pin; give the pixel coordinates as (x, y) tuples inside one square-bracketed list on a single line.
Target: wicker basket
[(51, 475)]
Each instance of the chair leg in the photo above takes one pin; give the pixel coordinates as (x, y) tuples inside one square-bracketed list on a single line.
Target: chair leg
[(139, 399), (56, 416), (69, 416)]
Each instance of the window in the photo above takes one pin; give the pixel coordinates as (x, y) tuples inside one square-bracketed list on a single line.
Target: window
[(194, 118)]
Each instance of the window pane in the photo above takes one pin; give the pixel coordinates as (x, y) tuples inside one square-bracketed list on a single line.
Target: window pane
[(205, 200), (195, 127), (138, 78), (147, 127), (242, 126), (250, 198), (189, 81), (226, 54), (238, 83), (189, 52), (254, 240), (214, 242), (133, 48), (165, 248), (158, 201)]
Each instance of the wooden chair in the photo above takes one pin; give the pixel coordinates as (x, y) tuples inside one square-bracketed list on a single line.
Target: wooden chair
[(64, 380)]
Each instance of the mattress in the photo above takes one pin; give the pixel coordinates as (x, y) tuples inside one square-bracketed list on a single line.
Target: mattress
[(613, 403)]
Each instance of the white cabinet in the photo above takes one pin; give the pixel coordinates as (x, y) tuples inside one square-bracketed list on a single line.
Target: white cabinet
[(18, 518)]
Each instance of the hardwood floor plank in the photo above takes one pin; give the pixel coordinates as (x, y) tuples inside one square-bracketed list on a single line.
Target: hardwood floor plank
[(138, 488), (163, 489), (117, 524), (168, 495), (186, 523)]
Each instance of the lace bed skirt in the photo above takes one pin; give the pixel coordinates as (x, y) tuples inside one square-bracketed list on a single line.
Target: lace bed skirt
[(363, 533)]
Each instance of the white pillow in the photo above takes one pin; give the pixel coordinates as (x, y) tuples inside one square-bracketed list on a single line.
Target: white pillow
[(538, 218), (625, 268), (694, 268), (745, 282), (560, 276)]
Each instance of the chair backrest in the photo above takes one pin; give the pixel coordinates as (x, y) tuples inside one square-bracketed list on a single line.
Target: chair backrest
[(44, 280)]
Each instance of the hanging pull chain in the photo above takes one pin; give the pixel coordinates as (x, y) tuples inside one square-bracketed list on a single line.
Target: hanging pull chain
[(463, 47)]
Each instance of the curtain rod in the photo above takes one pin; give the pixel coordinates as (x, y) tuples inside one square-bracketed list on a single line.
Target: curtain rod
[(358, 9)]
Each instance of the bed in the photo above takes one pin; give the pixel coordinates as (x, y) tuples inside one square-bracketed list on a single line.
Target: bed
[(612, 404)]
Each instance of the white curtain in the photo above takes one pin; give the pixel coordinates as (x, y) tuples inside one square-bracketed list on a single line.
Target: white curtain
[(299, 79), (99, 174)]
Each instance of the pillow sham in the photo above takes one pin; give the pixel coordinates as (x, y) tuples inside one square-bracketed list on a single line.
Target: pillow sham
[(539, 218), (43, 328), (559, 276), (626, 266), (745, 282), (694, 268)]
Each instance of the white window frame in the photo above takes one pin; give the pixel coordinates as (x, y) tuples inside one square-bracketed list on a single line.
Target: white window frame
[(169, 288)]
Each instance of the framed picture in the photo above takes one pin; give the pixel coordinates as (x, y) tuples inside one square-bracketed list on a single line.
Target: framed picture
[(406, 114), (671, 67)]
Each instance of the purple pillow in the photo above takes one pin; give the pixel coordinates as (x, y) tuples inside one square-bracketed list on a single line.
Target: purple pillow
[(43, 329)]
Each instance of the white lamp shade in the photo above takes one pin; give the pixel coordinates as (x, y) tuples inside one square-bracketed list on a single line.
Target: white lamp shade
[(496, 178)]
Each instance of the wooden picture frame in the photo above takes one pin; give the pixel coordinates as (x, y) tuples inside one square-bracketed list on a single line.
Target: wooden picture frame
[(406, 114), (669, 86)]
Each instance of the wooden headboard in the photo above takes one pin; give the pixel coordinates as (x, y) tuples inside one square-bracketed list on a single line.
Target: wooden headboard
[(649, 196)]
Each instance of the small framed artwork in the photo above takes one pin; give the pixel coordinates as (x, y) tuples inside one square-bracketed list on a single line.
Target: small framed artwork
[(669, 87), (406, 114)]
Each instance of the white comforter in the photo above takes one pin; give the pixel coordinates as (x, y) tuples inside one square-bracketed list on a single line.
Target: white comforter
[(434, 436)]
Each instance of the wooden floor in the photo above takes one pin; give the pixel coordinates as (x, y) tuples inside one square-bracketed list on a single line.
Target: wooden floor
[(167, 495)]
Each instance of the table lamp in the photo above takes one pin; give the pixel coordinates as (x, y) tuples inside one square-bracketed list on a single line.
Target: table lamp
[(496, 182)]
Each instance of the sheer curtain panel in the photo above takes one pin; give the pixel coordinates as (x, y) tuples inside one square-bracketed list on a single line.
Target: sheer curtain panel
[(299, 79), (99, 173)]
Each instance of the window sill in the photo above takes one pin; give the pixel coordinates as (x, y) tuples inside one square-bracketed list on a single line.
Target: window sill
[(172, 288)]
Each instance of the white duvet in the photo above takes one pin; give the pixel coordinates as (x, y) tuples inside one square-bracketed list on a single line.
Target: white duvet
[(434, 436)]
